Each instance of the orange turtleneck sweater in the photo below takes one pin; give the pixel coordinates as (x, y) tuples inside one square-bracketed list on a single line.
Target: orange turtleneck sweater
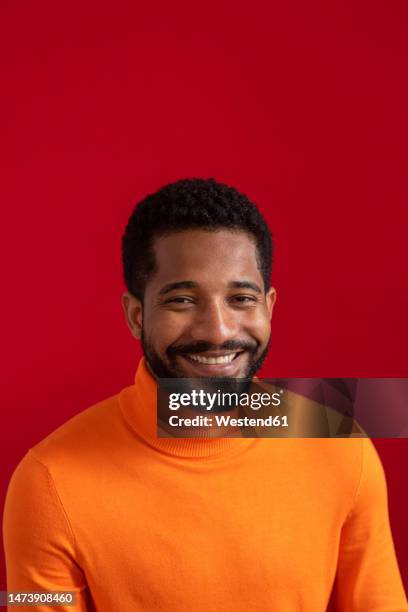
[(133, 522)]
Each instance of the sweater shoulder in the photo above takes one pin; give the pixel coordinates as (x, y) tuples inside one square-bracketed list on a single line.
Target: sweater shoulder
[(89, 433)]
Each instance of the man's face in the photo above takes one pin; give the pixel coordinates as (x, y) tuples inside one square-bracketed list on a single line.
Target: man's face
[(205, 313)]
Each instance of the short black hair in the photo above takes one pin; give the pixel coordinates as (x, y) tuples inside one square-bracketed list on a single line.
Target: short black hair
[(193, 203)]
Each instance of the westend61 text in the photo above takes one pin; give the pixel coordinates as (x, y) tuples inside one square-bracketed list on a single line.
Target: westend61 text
[(209, 400), (228, 421)]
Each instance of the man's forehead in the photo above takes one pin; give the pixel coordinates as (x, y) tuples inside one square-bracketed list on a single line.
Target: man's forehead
[(218, 258), (189, 244)]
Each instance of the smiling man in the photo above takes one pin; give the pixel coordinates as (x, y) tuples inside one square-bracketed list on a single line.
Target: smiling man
[(213, 322), (131, 521)]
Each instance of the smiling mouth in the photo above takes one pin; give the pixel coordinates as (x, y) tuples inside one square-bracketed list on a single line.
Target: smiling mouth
[(213, 360)]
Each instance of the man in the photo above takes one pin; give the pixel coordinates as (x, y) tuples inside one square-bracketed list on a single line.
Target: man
[(132, 521)]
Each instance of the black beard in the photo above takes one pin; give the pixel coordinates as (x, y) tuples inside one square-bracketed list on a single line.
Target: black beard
[(160, 369)]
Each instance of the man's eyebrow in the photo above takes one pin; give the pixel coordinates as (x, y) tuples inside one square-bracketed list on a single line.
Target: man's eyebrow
[(245, 285), (187, 284)]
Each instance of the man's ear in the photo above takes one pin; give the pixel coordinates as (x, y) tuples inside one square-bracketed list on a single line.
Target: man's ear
[(133, 310), (270, 300)]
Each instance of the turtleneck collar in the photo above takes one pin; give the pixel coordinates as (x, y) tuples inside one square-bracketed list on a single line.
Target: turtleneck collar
[(139, 407)]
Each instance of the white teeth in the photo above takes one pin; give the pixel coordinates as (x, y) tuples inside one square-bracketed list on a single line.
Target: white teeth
[(213, 360)]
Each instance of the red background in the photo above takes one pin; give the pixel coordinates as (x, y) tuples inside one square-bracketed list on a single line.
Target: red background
[(302, 105)]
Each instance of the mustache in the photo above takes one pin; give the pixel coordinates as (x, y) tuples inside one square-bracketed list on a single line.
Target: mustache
[(201, 346)]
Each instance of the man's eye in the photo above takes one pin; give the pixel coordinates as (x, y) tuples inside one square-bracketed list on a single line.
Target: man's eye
[(179, 300), (244, 299)]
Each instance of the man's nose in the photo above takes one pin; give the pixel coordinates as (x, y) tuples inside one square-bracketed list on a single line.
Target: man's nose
[(215, 324)]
